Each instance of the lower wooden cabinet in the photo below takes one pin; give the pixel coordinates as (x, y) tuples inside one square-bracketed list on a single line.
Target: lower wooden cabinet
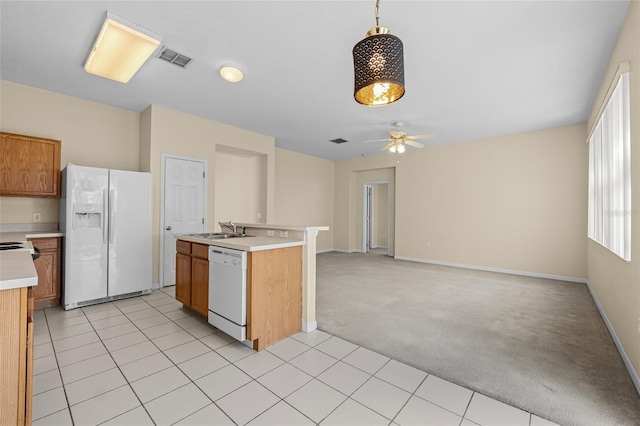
[(274, 295), (183, 278), (192, 276), (16, 356), (200, 285), (47, 292), (274, 289)]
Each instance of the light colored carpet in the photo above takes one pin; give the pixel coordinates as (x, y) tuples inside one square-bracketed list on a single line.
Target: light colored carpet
[(537, 344)]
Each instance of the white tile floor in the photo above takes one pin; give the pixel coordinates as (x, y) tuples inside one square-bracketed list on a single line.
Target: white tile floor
[(146, 360)]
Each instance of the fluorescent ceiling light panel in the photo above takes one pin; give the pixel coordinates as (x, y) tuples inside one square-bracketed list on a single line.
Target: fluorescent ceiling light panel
[(120, 49)]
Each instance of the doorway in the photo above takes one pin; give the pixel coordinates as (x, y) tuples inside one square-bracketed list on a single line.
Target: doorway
[(376, 217), (183, 207)]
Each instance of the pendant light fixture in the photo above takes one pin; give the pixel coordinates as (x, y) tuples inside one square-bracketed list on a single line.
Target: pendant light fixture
[(378, 64)]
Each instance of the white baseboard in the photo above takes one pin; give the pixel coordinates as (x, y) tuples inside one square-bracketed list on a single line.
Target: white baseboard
[(500, 270), (627, 362), (155, 286), (308, 327), (324, 251), (345, 251)]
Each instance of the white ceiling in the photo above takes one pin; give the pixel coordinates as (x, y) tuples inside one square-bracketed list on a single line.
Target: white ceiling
[(474, 69)]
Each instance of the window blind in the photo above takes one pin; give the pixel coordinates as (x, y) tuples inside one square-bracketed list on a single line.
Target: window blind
[(610, 174)]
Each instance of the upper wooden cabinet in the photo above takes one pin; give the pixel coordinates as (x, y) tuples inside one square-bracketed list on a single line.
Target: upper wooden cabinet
[(29, 166)]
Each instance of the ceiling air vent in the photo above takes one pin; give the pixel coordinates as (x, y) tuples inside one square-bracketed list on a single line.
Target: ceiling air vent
[(338, 140), (174, 57)]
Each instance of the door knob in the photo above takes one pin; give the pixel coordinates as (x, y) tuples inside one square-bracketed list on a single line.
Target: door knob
[(168, 228)]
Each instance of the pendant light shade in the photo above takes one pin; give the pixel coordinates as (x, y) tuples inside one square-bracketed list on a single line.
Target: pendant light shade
[(378, 63)]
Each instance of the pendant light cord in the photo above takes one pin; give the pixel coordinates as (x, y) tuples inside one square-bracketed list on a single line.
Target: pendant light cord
[(377, 13)]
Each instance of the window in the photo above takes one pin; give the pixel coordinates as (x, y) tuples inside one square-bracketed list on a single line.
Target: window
[(610, 174)]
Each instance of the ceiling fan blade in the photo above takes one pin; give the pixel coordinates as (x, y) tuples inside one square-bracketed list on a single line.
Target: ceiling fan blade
[(389, 145), (428, 136), (377, 140), (413, 144)]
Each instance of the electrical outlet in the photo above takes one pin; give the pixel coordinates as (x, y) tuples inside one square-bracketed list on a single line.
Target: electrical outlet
[(270, 233), (37, 217), (284, 234), (259, 215), (428, 244)]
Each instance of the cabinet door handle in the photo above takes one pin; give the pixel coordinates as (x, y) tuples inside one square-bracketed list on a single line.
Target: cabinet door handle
[(168, 228)]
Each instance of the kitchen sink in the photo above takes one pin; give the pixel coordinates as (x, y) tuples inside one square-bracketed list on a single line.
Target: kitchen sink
[(220, 235)]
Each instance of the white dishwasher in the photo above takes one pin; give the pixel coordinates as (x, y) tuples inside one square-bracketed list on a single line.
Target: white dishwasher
[(228, 291)]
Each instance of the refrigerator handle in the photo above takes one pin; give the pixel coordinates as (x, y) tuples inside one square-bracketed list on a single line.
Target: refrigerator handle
[(104, 216), (112, 220)]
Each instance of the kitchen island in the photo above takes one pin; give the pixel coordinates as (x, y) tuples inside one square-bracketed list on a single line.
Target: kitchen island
[(17, 277), (280, 278)]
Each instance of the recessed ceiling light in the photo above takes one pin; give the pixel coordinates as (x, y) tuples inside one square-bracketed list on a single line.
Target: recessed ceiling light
[(120, 49), (231, 74)]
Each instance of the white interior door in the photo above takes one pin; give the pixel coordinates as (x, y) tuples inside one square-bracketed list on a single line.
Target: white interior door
[(184, 201), (367, 217), (375, 216)]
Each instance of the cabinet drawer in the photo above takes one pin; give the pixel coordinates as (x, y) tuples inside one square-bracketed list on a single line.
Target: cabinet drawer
[(200, 250), (183, 247), (45, 243)]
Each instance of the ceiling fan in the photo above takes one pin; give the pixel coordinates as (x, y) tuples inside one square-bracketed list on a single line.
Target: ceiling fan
[(398, 139)]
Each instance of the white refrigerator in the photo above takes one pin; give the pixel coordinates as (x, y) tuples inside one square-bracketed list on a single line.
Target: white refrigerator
[(105, 216)]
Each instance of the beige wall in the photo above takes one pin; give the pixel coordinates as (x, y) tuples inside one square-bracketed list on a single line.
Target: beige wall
[(516, 202), (177, 133), (92, 135), (502, 202), (348, 198), (615, 282), (100, 136), (240, 187), (304, 193)]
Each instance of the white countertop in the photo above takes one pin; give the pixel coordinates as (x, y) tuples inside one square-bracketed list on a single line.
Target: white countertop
[(17, 270), (245, 243), (283, 227), (21, 236), (16, 267)]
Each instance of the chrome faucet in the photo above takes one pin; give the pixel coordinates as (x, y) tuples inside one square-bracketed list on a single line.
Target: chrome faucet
[(232, 226)]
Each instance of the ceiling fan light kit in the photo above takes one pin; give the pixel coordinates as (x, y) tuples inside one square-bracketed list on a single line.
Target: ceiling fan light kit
[(397, 147), (398, 140), (378, 63)]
